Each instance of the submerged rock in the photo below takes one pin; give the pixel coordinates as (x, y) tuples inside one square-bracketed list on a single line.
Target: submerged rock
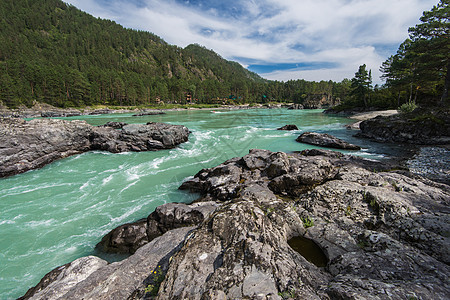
[(325, 140), (149, 113), (27, 145), (384, 235)]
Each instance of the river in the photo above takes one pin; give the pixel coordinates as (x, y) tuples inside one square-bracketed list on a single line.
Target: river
[(56, 214)]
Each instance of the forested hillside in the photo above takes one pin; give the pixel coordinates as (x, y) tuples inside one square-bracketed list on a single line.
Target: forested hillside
[(55, 53), (52, 52)]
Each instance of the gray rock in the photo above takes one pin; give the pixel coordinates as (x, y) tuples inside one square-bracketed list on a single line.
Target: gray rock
[(59, 281), (128, 238), (27, 145), (295, 106), (423, 126), (149, 113), (384, 234), (121, 280), (288, 127), (115, 125), (325, 140), (243, 252)]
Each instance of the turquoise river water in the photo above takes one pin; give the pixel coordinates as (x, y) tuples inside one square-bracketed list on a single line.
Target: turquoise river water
[(51, 216)]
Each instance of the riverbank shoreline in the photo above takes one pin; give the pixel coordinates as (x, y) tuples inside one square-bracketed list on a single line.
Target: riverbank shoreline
[(42, 110)]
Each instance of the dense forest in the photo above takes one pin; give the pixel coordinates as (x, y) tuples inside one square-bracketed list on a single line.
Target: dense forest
[(54, 53)]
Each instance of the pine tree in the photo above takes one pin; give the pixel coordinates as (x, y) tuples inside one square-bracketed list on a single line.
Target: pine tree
[(361, 85), (431, 42)]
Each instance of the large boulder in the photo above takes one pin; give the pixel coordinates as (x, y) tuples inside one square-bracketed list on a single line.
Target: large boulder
[(60, 280), (129, 237), (369, 225), (92, 278), (325, 140), (27, 145)]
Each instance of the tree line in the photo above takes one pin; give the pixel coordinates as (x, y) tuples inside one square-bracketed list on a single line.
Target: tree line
[(418, 73), (52, 52)]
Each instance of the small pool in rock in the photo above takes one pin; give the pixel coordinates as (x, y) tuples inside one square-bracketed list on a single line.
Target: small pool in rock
[(309, 250)]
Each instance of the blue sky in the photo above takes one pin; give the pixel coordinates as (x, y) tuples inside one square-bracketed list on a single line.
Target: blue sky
[(278, 39)]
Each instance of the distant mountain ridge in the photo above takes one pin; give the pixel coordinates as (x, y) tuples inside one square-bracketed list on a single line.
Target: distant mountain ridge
[(52, 52)]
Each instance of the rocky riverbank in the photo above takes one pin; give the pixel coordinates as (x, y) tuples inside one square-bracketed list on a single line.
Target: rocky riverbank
[(27, 145), (423, 127), (47, 111), (384, 235)]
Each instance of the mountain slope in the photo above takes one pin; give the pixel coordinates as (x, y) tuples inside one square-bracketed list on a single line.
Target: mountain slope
[(52, 52)]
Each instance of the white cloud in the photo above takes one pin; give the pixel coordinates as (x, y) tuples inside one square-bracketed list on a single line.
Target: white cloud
[(346, 33)]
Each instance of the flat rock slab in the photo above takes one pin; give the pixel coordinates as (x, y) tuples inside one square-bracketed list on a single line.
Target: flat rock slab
[(27, 145), (93, 278), (325, 140)]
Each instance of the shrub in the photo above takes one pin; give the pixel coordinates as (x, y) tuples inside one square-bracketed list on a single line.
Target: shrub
[(307, 222), (408, 107)]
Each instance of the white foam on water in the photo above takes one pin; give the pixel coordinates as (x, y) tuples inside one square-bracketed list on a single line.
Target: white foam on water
[(155, 163), (70, 249), (132, 174), (8, 222), (34, 224), (124, 216), (107, 179), (128, 186), (13, 221), (30, 189), (363, 152)]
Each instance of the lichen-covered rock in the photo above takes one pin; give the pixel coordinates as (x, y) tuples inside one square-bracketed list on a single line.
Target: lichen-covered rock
[(325, 140), (242, 252), (121, 280), (27, 145), (59, 281), (384, 234)]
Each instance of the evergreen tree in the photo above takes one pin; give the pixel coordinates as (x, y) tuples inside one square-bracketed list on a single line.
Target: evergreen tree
[(431, 41), (361, 85)]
